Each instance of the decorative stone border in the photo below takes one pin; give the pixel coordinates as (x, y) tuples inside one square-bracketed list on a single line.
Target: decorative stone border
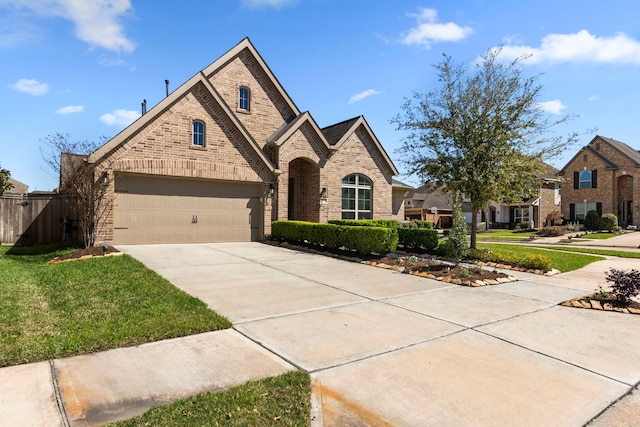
[(446, 279), (551, 272), (597, 305)]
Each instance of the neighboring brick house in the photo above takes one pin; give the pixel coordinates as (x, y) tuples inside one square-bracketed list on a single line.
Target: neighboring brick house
[(228, 152), (427, 204), (603, 176)]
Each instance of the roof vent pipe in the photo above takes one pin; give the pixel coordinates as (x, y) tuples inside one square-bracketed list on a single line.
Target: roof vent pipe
[(144, 107), (166, 86)]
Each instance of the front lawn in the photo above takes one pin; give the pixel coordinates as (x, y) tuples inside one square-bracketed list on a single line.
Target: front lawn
[(284, 400), (56, 310), (505, 235), (595, 251), (562, 261), (599, 236)]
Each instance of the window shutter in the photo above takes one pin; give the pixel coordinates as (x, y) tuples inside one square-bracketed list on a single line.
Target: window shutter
[(594, 178), (572, 211), (576, 180), (599, 208)]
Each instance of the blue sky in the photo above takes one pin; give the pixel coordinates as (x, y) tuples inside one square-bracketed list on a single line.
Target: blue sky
[(83, 67)]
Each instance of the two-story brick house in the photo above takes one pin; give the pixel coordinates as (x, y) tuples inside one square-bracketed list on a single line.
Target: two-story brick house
[(228, 152), (603, 176)]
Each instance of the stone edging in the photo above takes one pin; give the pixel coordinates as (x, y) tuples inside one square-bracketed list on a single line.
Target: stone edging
[(551, 272), (597, 305), (446, 279)]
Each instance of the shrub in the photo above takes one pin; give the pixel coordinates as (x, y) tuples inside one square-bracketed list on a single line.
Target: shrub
[(535, 262), (592, 221), (609, 222), (525, 225), (457, 245), (625, 283), (574, 226), (552, 231), (416, 223), (418, 238), (554, 218), (364, 240), (531, 261), (386, 223)]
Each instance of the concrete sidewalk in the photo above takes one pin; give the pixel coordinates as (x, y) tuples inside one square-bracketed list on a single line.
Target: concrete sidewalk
[(383, 348)]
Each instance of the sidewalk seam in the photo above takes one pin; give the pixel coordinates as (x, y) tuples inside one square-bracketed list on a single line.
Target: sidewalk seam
[(58, 395)]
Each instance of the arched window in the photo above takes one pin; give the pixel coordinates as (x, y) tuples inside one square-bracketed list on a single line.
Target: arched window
[(198, 133), (585, 179), (356, 197), (244, 98)]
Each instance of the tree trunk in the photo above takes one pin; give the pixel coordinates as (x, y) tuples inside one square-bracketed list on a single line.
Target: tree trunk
[(474, 226)]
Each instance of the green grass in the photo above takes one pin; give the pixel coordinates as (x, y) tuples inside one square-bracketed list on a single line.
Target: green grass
[(283, 400), (56, 310), (599, 236), (595, 251), (505, 235), (562, 261)]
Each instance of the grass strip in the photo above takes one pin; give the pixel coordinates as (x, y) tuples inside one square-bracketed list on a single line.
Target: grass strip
[(284, 400), (559, 260), (595, 251), (57, 310)]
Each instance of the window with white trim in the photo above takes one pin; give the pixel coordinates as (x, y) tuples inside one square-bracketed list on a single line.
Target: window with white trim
[(244, 98), (585, 179), (198, 133), (357, 196)]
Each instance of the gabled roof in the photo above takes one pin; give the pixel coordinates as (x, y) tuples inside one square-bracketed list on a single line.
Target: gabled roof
[(283, 133), (338, 134), (623, 148), (17, 187), (399, 185), (199, 78), (430, 198)]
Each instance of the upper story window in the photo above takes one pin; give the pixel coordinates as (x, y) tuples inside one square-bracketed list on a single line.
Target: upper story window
[(356, 197), (198, 133), (244, 98), (585, 179)]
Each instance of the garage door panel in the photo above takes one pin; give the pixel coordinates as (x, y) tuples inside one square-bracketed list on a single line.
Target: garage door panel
[(163, 210)]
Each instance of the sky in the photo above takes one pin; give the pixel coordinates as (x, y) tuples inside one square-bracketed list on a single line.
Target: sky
[(83, 67)]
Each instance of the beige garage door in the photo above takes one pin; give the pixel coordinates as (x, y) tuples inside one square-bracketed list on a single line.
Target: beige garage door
[(172, 210)]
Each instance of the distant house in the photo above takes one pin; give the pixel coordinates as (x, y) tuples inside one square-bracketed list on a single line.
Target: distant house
[(533, 209), (228, 152), (428, 204), (603, 176), (17, 187)]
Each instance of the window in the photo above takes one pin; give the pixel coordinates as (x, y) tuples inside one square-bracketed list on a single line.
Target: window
[(583, 208), (198, 133), (521, 215), (629, 181), (243, 99), (585, 179), (356, 197)]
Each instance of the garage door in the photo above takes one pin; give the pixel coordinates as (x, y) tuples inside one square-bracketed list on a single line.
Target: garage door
[(173, 210)]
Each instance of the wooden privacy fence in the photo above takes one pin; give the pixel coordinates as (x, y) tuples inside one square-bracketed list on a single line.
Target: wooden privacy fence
[(35, 219)]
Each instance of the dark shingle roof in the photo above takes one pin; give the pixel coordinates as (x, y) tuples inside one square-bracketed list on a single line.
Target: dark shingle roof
[(333, 133), (632, 154), (430, 198)]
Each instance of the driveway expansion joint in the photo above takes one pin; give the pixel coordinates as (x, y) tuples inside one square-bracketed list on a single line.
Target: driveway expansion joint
[(57, 394)]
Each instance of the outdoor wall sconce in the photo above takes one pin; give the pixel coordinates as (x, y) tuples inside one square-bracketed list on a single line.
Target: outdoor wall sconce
[(105, 177), (324, 193), (23, 204), (271, 189)]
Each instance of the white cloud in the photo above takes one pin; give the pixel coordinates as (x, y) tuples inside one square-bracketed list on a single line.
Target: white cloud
[(120, 117), (96, 21), (362, 95), (593, 98), (30, 86), (70, 109), (553, 107), (429, 30), (578, 47), (276, 4)]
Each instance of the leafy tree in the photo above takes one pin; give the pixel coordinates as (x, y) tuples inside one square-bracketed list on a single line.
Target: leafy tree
[(4, 181), (85, 188), (480, 133)]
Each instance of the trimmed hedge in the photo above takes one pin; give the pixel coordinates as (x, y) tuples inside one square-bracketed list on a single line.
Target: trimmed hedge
[(418, 238), (364, 240), (385, 223)]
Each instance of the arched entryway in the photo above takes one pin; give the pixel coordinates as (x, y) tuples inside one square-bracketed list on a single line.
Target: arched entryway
[(303, 201), (625, 200)]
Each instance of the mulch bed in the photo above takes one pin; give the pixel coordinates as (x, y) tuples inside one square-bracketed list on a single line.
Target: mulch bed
[(94, 251)]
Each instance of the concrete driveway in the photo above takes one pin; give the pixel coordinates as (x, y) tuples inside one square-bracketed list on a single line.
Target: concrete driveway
[(386, 348)]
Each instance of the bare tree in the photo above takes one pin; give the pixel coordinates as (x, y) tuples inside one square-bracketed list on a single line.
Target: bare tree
[(84, 187)]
